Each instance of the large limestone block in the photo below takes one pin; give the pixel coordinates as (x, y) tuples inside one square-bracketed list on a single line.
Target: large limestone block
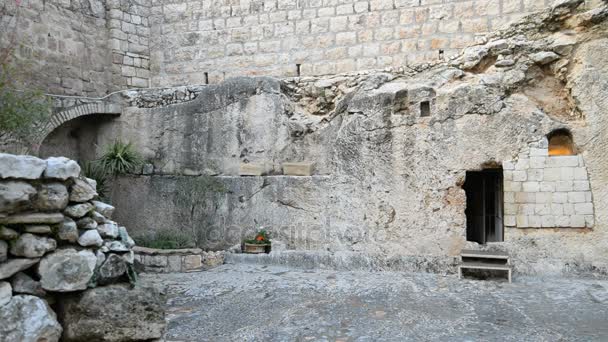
[(114, 313), (52, 197), (61, 168), (298, 169), (81, 191), (104, 209), (9, 268), (15, 196), (250, 170), (67, 270), (28, 319), (33, 218), (25, 167), (32, 246)]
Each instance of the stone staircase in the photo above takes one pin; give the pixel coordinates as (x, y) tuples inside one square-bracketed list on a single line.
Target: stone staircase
[(485, 260)]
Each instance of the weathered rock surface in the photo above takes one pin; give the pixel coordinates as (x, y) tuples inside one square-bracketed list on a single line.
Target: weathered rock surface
[(25, 167), (32, 246), (544, 57), (112, 269), (104, 209), (24, 284), (6, 293), (108, 230), (90, 238), (15, 196), (114, 313), (12, 266), (61, 168), (52, 196), (67, 270), (82, 191), (78, 210), (67, 231), (32, 218), (28, 319)]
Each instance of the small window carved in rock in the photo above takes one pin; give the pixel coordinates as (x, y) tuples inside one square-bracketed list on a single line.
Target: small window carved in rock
[(561, 143), (425, 108)]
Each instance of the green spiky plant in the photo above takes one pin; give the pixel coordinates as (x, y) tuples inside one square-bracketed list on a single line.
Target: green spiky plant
[(120, 158)]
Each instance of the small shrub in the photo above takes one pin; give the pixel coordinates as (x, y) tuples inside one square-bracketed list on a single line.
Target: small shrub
[(120, 158), (165, 239)]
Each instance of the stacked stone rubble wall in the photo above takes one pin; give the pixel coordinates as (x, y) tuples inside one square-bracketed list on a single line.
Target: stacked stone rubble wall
[(57, 243)]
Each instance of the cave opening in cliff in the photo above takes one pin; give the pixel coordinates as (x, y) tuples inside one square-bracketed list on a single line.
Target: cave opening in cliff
[(484, 211)]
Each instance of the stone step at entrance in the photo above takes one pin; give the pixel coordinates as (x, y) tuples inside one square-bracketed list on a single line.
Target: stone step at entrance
[(485, 260)]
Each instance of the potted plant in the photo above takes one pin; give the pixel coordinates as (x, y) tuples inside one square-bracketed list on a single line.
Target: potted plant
[(259, 244)]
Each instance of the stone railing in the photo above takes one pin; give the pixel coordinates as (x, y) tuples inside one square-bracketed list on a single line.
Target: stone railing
[(152, 260), (57, 245)]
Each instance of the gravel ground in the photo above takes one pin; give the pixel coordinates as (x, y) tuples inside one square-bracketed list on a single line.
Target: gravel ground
[(243, 302)]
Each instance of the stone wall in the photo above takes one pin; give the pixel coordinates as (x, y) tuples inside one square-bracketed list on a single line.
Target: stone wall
[(62, 260), (196, 41), (547, 191), (63, 45), (82, 47), (129, 32), (93, 47)]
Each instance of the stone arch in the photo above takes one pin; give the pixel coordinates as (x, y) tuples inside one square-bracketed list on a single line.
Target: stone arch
[(66, 115), (561, 143)]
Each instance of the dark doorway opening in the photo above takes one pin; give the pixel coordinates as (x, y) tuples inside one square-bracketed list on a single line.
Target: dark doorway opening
[(484, 206)]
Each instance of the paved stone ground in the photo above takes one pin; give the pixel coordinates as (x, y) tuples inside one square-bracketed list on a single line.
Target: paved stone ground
[(266, 303)]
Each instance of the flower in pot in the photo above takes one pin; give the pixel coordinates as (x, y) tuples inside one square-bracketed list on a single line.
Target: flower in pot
[(259, 244)]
